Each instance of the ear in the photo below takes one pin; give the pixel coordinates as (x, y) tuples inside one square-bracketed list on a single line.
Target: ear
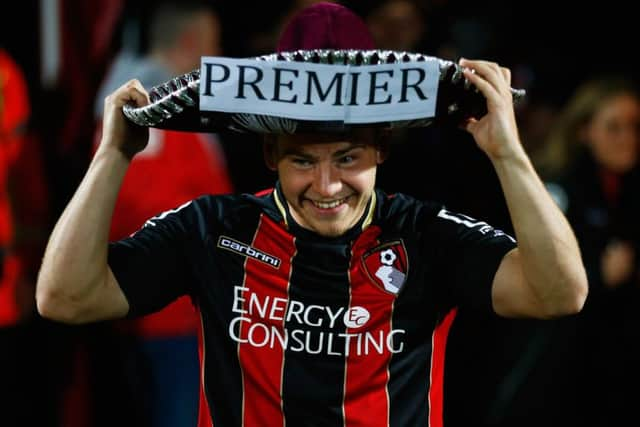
[(384, 145), (269, 152)]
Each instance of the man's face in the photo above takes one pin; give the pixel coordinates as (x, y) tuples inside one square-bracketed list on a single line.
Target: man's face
[(327, 181)]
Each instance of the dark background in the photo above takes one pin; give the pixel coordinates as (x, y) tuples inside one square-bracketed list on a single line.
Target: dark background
[(497, 371)]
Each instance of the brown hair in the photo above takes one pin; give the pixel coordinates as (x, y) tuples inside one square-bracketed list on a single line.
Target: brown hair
[(564, 141), (378, 137)]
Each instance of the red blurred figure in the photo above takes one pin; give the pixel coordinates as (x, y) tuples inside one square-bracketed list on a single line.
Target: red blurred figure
[(23, 210), (174, 168)]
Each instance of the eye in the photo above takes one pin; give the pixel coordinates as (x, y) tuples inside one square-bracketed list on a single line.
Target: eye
[(301, 162), (347, 159)]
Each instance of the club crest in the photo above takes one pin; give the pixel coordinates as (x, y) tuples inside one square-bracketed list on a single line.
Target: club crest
[(387, 266)]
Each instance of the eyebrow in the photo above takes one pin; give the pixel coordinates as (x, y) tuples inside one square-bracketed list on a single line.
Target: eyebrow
[(294, 151)]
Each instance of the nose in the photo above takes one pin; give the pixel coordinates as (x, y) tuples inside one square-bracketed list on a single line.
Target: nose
[(326, 180)]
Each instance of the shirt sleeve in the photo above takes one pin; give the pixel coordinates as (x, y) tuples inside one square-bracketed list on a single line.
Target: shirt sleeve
[(153, 266), (469, 254)]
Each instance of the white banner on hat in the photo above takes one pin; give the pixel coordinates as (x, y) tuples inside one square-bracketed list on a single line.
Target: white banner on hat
[(323, 92)]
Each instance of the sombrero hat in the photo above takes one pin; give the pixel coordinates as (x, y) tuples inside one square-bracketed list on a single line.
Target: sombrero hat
[(324, 41)]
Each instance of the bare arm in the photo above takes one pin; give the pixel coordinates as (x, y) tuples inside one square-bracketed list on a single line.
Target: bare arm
[(75, 283), (544, 277)]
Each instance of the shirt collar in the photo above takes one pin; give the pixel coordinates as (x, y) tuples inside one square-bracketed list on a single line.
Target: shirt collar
[(296, 229)]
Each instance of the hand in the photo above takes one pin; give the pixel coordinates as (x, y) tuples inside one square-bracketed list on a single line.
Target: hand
[(617, 263), (117, 131), (496, 133)]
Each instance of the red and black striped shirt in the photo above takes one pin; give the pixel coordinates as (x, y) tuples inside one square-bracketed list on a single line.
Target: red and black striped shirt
[(304, 330)]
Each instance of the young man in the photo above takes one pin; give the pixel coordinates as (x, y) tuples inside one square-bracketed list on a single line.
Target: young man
[(324, 301)]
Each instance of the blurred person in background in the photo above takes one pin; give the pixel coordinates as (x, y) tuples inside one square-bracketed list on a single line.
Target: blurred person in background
[(14, 115), (591, 166), (397, 25), (179, 33), (25, 380), (265, 39)]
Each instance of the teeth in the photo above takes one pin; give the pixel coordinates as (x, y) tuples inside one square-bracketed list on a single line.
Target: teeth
[(329, 205)]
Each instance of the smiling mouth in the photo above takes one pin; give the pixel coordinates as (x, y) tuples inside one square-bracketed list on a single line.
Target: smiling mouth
[(329, 204)]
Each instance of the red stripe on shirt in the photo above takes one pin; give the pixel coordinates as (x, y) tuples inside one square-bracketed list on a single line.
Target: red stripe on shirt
[(366, 399), (436, 390), (265, 300), (204, 414)]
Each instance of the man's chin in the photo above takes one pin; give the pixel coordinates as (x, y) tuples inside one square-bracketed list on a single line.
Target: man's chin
[(329, 225), (331, 232), (327, 229)]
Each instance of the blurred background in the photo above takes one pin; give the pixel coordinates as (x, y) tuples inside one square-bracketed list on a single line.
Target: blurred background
[(59, 58)]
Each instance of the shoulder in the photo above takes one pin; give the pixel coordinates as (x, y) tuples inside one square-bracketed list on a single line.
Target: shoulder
[(227, 206), (406, 211), (207, 210)]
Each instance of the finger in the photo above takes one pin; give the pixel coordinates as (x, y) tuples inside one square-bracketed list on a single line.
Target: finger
[(130, 84), (132, 92), (137, 96), (489, 70), (487, 89), (499, 77), (139, 88), (469, 125), (506, 73)]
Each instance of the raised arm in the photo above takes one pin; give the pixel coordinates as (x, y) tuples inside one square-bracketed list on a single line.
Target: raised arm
[(544, 277), (75, 284)]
